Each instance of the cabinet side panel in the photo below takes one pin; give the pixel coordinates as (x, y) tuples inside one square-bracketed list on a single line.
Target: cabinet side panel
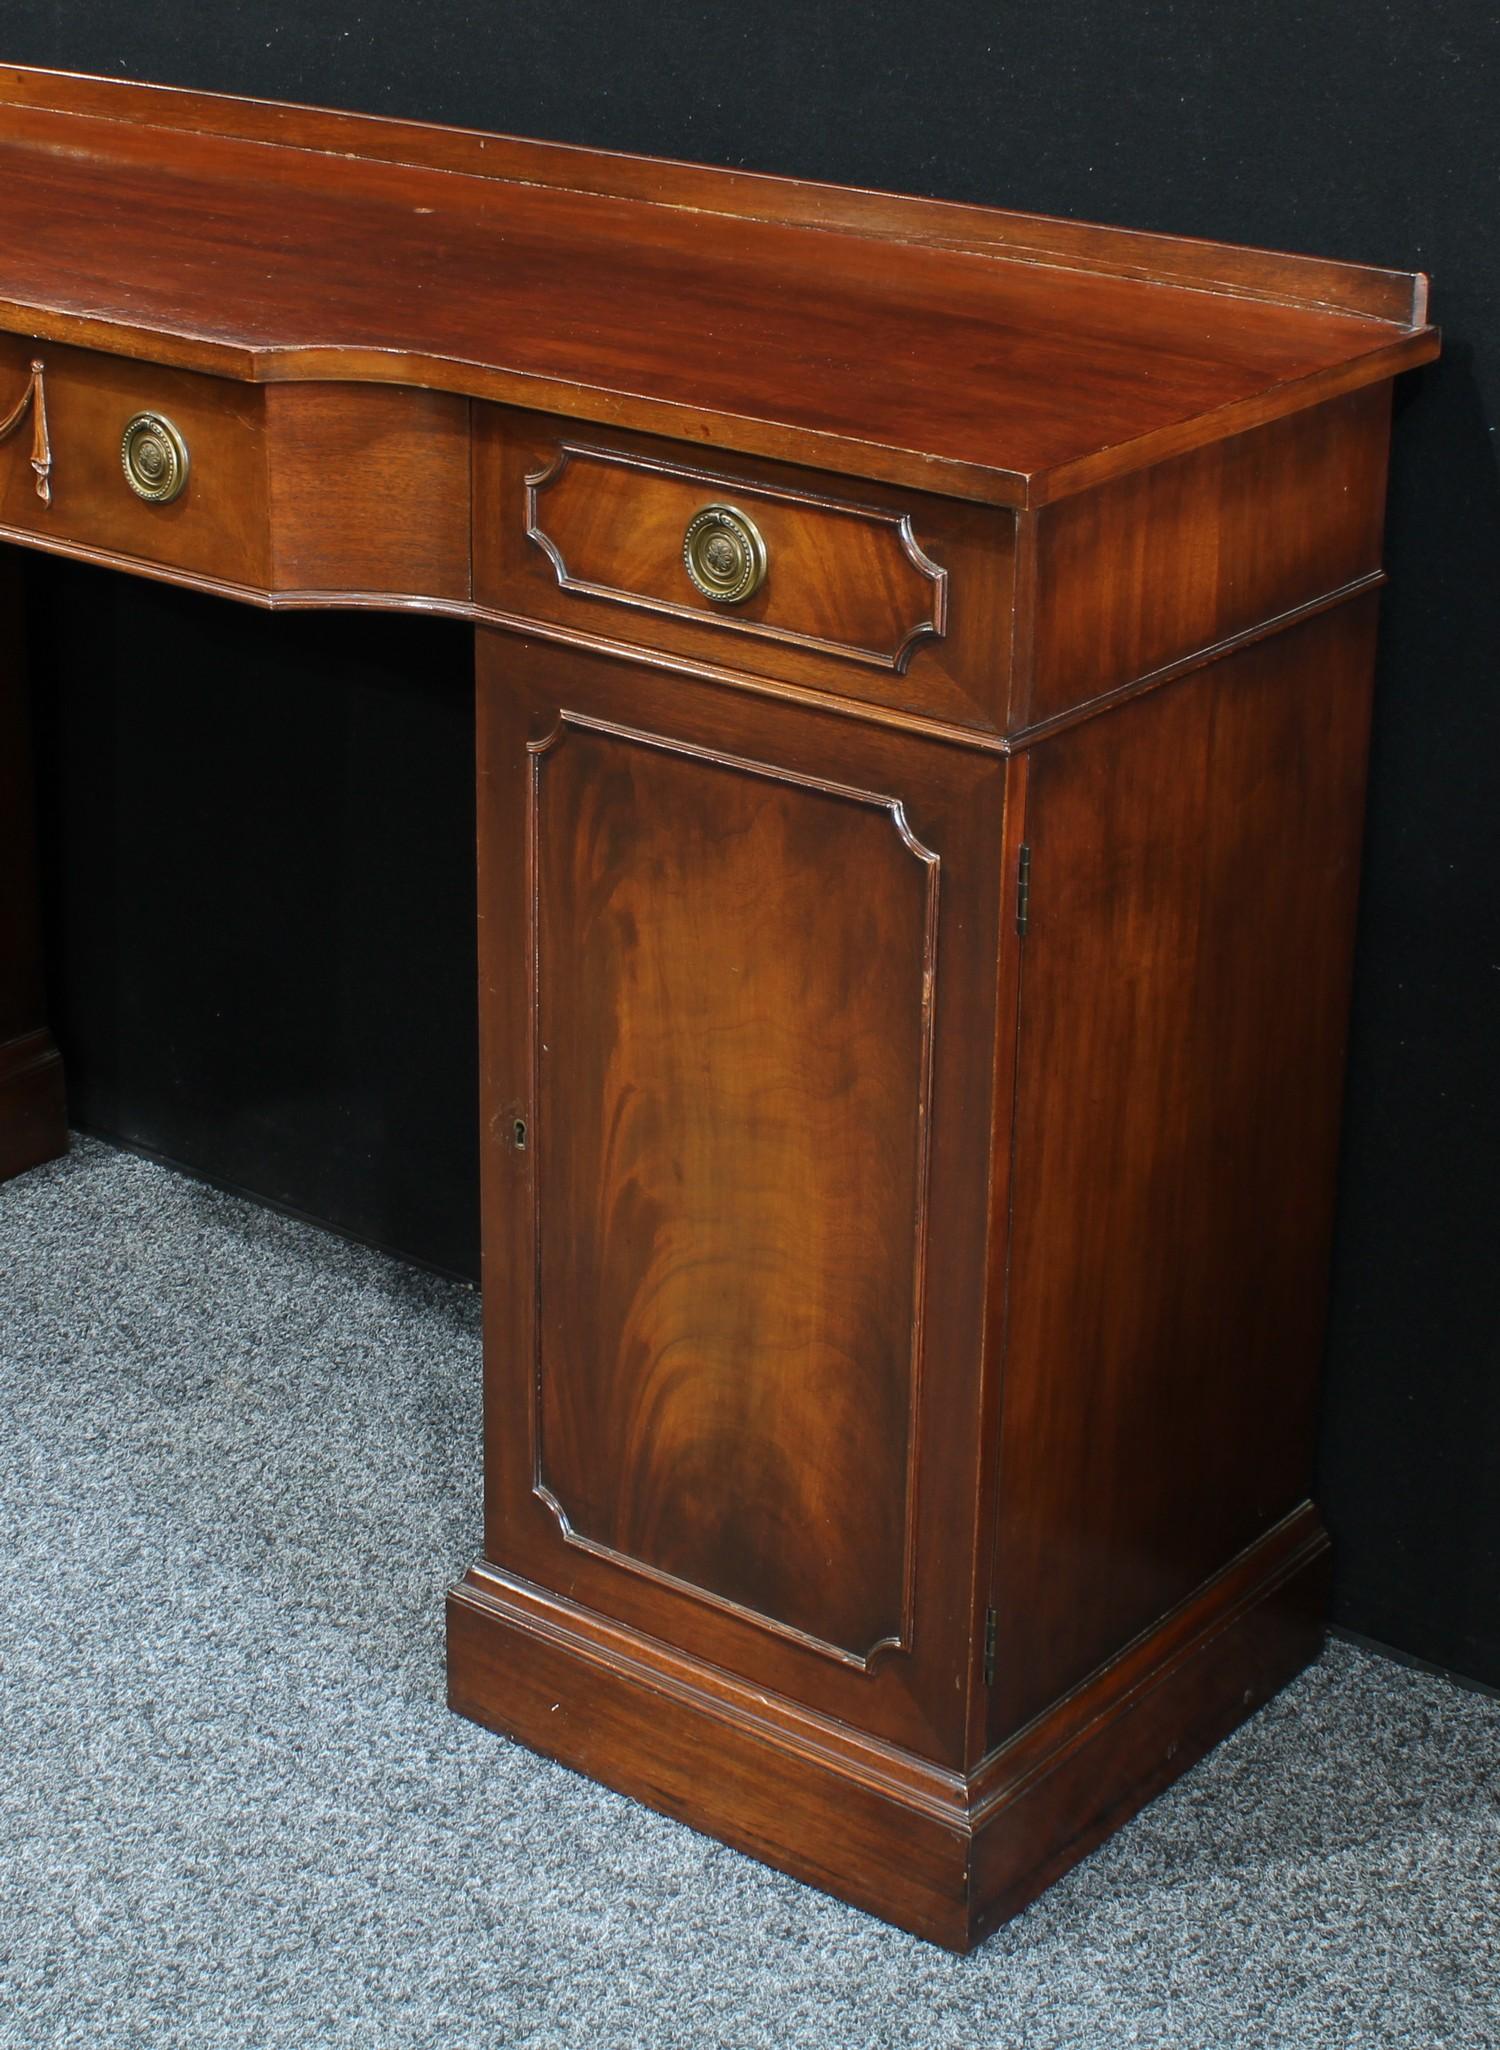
[(1185, 984), (31, 1091), (1160, 564)]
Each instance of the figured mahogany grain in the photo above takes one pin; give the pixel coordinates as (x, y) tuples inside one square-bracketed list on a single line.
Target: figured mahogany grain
[(731, 1115), (708, 961)]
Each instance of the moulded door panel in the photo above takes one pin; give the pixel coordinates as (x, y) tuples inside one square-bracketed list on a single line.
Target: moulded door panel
[(745, 1112), (732, 1108)]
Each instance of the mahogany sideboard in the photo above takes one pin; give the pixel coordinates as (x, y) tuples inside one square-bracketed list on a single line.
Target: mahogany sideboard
[(924, 662)]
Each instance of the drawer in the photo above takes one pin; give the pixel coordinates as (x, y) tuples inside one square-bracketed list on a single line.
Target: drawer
[(881, 595), (314, 493), (216, 526)]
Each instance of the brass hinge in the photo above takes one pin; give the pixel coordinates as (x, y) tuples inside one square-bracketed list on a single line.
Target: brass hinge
[(1023, 890), (991, 1628)]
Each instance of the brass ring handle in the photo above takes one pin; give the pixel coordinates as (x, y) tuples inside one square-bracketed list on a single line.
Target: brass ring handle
[(724, 554), (34, 401), (154, 457)]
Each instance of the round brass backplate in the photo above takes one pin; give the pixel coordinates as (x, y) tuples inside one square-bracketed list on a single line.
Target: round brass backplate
[(725, 555), (154, 457)]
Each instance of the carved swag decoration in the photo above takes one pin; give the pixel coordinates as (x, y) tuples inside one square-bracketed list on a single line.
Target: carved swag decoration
[(34, 400)]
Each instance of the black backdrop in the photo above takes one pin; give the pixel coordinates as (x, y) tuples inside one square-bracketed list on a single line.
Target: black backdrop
[(260, 829)]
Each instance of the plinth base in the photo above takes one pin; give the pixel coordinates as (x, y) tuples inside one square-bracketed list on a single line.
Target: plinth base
[(945, 1855)]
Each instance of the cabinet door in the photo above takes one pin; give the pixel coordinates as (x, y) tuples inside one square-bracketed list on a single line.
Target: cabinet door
[(738, 962)]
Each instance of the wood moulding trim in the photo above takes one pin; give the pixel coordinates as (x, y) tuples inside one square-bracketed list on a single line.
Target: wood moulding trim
[(943, 731), (1199, 658), (1193, 1680), (515, 623), (919, 1784), (895, 659), (1404, 352), (539, 751), (1010, 971), (1399, 297), (744, 434), (776, 441), (1046, 1743), (944, 1853)]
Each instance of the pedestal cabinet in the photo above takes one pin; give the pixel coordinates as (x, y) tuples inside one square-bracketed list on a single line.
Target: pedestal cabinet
[(909, 1160), (923, 678)]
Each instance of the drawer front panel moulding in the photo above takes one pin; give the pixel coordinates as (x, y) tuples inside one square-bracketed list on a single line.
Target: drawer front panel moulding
[(892, 597), (845, 579)]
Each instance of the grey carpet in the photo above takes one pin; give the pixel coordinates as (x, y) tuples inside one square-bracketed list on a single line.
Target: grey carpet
[(240, 1459)]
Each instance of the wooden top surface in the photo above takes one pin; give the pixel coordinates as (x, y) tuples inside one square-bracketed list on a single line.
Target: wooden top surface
[(991, 355)]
